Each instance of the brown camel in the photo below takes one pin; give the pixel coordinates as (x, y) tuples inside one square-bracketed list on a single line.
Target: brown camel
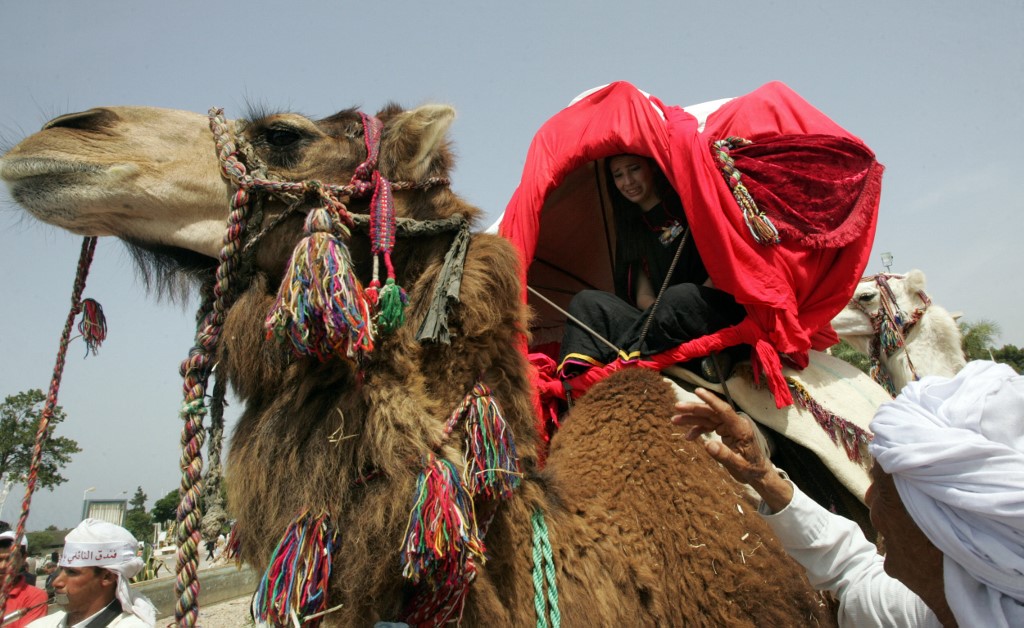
[(642, 529)]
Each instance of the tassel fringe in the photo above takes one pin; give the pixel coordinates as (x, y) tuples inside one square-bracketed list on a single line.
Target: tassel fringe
[(391, 307), (295, 583), (882, 377), (321, 307), (853, 439), (492, 464), (442, 534), (93, 326)]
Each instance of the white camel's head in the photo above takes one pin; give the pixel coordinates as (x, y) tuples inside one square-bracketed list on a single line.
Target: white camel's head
[(855, 323), (152, 176)]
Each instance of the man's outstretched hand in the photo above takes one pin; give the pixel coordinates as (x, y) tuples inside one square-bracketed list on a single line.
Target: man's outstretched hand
[(738, 452)]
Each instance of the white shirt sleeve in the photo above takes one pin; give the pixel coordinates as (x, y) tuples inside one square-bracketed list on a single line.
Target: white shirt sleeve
[(839, 559)]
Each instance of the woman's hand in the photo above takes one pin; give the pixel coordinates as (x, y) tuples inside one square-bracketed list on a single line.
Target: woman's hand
[(738, 452)]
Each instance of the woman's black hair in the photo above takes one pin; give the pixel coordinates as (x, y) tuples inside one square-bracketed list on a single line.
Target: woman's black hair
[(629, 249)]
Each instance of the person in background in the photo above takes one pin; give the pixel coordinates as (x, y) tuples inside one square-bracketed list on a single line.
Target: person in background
[(50, 569), (947, 494), (25, 602), (92, 585)]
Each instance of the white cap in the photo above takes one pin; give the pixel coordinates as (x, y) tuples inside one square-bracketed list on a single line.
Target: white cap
[(10, 535)]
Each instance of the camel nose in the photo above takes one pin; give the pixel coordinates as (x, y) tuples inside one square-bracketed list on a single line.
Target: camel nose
[(92, 120)]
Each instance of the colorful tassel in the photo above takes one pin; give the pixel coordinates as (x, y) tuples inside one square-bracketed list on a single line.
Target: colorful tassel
[(295, 583), (93, 326), (881, 376), (492, 464), (851, 436), (443, 606), (321, 306), (442, 534)]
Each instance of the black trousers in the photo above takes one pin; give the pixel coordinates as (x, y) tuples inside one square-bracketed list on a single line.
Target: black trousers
[(686, 311)]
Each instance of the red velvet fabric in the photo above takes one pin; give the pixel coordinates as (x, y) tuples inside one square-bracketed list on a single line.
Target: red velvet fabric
[(811, 186), (817, 182)]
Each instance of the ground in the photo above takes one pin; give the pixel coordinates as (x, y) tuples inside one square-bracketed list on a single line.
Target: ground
[(230, 614)]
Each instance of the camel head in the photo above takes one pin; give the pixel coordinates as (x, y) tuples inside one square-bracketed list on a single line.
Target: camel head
[(855, 323), (152, 177)]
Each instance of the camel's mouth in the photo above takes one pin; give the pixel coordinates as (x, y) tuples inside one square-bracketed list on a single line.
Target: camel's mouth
[(40, 184), (19, 170)]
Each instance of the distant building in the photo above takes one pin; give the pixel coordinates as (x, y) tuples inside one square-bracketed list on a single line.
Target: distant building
[(111, 510)]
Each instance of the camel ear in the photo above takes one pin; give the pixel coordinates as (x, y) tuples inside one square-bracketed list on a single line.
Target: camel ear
[(915, 282), (414, 139)]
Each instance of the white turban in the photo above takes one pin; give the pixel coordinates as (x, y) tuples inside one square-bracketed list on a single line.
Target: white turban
[(95, 543), (955, 449)]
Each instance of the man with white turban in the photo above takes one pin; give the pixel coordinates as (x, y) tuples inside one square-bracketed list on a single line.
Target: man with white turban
[(98, 561), (947, 495)]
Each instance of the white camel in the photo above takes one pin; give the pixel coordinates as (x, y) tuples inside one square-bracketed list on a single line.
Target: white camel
[(891, 319)]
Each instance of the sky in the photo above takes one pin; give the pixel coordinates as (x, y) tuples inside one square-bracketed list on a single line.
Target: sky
[(933, 87)]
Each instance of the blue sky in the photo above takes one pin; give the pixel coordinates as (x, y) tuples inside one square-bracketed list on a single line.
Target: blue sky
[(934, 88)]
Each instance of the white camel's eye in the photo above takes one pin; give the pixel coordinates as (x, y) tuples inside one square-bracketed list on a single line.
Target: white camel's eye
[(866, 297)]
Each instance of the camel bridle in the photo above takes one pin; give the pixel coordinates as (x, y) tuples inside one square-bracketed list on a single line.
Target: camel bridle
[(891, 326), (243, 167)]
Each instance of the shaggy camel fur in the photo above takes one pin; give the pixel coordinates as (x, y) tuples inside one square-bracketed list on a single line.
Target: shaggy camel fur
[(932, 343), (644, 530)]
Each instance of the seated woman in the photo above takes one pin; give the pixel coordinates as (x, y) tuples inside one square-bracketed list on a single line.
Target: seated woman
[(651, 227)]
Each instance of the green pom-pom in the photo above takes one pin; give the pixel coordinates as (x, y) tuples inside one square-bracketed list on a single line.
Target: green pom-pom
[(392, 302)]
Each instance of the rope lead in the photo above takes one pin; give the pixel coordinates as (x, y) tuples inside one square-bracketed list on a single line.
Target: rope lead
[(545, 601), (43, 431)]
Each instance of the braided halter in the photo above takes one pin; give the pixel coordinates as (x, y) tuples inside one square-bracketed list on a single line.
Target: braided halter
[(366, 180), (251, 184), (891, 327)]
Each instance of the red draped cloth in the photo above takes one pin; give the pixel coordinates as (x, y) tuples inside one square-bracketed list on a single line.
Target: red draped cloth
[(817, 183)]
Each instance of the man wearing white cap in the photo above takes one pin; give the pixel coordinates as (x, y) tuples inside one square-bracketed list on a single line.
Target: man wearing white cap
[(24, 601), (98, 561), (947, 495)]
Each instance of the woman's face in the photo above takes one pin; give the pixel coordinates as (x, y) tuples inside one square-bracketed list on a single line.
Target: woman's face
[(634, 177)]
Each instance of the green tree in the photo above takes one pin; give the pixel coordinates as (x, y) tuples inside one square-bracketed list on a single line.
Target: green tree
[(138, 521), (166, 508), (1012, 355), (977, 338), (845, 352), (43, 541), (19, 422)]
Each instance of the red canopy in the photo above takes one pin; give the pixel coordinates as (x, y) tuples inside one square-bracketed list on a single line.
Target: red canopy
[(816, 182)]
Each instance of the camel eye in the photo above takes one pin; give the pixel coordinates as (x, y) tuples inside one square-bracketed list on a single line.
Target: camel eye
[(866, 297), (281, 138)]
